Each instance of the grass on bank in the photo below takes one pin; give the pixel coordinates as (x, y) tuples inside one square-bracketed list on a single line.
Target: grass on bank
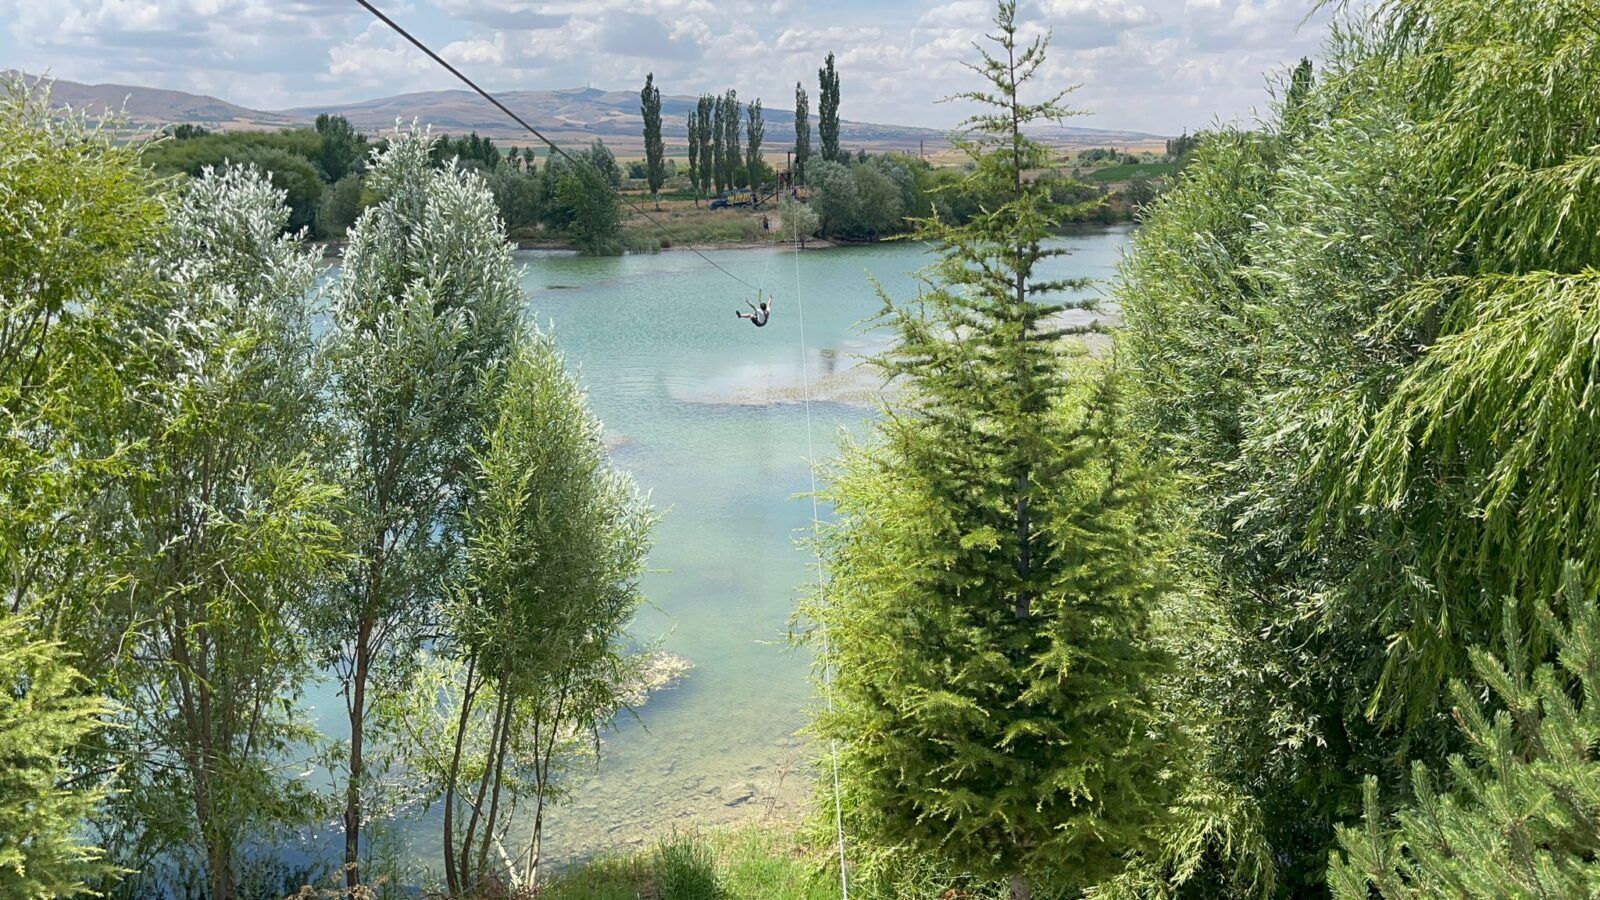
[(741, 864), (1128, 171), (694, 227)]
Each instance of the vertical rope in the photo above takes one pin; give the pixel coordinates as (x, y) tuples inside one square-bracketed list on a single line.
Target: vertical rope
[(816, 528)]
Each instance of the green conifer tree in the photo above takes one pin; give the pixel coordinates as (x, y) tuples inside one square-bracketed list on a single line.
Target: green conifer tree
[(991, 582), (44, 713), (1521, 815)]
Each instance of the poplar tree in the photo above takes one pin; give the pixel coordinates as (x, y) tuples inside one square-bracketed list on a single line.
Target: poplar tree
[(694, 126), (732, 157), (424, 318), (708, 140), (654, 151), (802, 132), (992, 572), (828, 112), (719, 144), (755, 132)]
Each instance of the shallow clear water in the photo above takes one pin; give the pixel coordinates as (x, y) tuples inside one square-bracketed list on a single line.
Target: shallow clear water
[(699, 407)]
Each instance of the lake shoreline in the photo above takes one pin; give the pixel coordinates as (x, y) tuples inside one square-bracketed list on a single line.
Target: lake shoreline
[(334, 249)]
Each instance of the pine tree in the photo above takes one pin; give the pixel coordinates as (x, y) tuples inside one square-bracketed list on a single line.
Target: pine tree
[(755, 132), (1521, 815), (44, 714), (802, 132), (654, 152), (828, 111), (992, 578)]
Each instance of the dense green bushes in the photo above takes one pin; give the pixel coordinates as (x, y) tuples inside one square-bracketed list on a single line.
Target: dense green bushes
[(202, 503), (1363, 339)]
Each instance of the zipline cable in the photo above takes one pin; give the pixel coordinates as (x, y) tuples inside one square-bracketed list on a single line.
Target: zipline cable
[(816, 533), (554, 148)]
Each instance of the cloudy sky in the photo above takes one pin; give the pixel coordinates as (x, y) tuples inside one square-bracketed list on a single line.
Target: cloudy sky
[(1149, 65)]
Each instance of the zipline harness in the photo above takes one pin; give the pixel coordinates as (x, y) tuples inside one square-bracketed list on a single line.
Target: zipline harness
[(583, 164)]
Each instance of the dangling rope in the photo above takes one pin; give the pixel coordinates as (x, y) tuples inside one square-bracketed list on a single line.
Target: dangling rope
[(816, 533)]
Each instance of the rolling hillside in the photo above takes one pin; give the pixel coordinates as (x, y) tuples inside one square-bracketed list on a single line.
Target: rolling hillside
[(574, 115)]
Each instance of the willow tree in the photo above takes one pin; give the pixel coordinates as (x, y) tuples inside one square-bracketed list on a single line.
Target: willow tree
[(77, 213), (425, 315), (227, 524), (1364, 336), (991, 579), (557, 542)]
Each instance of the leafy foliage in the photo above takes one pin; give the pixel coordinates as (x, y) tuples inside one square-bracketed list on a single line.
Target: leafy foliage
[(226, 523), (424, 320), (684, 868), (1360, 338), (557, 543)]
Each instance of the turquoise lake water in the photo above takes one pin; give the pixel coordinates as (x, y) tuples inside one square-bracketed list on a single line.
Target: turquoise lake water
[(700, 407)]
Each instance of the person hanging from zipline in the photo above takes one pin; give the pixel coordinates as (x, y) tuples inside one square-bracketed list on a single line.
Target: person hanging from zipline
[(757, 315)]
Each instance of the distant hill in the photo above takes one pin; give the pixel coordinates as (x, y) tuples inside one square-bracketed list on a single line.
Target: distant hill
[(157, 107), (570, 116)]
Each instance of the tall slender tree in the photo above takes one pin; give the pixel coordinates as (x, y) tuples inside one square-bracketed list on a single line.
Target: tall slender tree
[(732, 159), (828, 112), (694, 126), (992, 585), (655, 165), (755, 133), (708, 139), (719, 145), (423, 321), (556, 544), (802, 132)]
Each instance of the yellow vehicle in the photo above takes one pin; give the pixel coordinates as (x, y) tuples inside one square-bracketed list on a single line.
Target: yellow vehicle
[(737, 197)]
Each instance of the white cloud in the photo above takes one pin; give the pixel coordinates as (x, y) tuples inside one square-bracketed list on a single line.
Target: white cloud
[(1152, 65)]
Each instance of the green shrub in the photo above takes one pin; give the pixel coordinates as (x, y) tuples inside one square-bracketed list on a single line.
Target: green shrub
[(685, 868)]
